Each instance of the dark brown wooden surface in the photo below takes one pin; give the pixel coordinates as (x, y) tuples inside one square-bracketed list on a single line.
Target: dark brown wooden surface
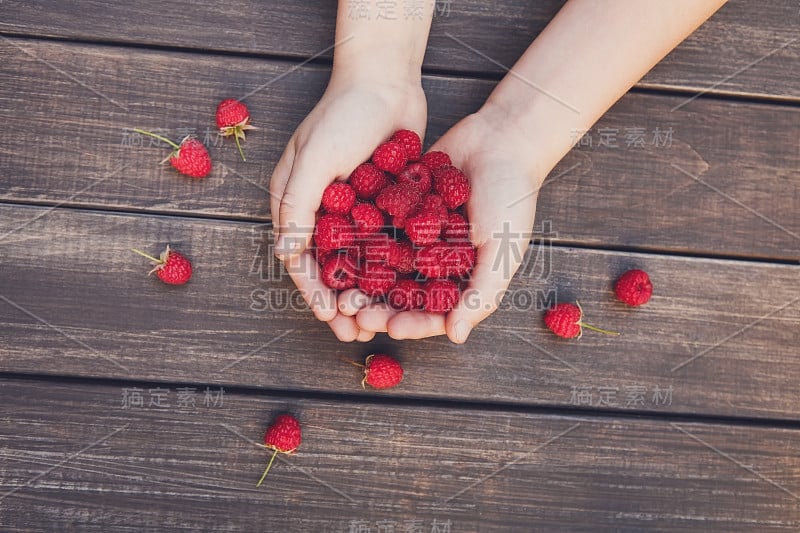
[(74, 270), (686, 422), (106, 465), (746, 48), (720, 179)]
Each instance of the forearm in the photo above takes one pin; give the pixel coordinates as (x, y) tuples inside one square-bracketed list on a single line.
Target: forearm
[(589, 55), (382, 44)]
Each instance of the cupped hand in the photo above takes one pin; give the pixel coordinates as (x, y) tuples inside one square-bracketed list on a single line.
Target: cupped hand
[(505, 180), (340, 133)]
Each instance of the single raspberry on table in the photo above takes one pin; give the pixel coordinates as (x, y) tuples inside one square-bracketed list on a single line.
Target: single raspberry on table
[(390, 156), (452, 185), (367, 181), (333, 232), (190, 157), (233, 118), (443, 260), (282, 436), (634, 287), (411, 143), (338, 198), (376, 279), (418, 175), (340, 272), (434, 160), (172, 268), (367, 218), (398, 200), (382, 372), (423, 228), (406, 295), (441, 295), (566, 320)]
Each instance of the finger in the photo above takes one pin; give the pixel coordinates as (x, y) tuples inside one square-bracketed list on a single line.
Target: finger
[(365, 336), (277, 184), (352, 301), (345, 328), (299, 203), (374, 317), (496, 264), (305, 273), (415, 325)]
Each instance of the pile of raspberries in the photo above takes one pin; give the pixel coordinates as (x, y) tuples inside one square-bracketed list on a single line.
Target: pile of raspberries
[(396, 228)]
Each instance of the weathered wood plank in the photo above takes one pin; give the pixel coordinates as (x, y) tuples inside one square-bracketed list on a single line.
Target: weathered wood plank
[(745, 48), (75, 301), (73, 458), (715, 177)]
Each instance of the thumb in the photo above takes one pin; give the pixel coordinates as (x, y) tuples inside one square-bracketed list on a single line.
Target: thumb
[(298, 206)]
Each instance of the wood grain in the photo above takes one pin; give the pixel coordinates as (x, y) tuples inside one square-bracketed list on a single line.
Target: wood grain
[(744, 49), (73, 458), (719, 178), (75, 301)]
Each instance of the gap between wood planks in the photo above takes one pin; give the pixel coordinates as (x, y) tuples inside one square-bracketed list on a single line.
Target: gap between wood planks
[(639, 88), (411, 401)]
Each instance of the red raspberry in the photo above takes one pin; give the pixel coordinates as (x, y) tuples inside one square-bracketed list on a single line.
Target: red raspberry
[(390, 156), (382, 372), (367, 181), (333, 232), (418, 175), (367, 218), (423, 228), (375, 248), (406, 295), (566, 320), (433, 203), (283, 436), (399, 222), (338, 198), (191, 158), (456, 229), (340, 272), (634, 287), (322, 256), (401, 256), (436, 159), (398, 200), (171, 267), (376, 279), (441, 295), (411, 143), (443, 260), (452, 185)]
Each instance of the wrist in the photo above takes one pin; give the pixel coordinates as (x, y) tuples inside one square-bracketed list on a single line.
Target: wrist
[(387, 65), (526, 141)]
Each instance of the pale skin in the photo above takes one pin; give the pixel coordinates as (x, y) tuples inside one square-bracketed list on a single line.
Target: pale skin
[(589, 55)]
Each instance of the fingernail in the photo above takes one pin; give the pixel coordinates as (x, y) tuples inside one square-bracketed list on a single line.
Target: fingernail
[(279, 246), (286, 246), (462, 330)]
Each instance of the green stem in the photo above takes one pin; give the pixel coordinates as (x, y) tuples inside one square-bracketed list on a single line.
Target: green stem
[(159, 137), (150, 257), (267, 469), (607, 332), (239, 146)]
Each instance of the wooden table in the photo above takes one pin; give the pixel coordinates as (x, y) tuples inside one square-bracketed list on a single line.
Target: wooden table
[(131, 406)]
